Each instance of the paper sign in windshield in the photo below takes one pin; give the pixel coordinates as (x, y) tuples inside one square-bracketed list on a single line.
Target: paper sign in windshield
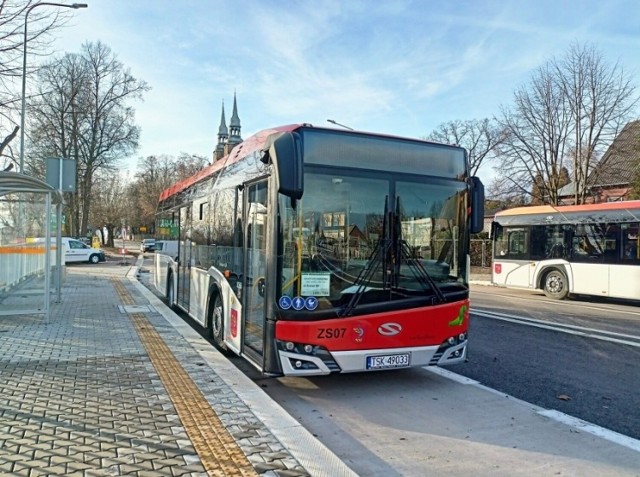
[(315, 284)]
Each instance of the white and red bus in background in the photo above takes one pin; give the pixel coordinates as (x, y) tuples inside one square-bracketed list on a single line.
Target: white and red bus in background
[(589, 249), (311, 251)]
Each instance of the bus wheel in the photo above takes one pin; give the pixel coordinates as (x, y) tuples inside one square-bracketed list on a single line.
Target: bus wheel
[(170, 292), (216, 320), (556, 285)]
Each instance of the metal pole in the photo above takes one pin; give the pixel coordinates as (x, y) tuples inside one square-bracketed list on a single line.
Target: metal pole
[(47, 259), (59, 250), (24, 69), (59, 233)]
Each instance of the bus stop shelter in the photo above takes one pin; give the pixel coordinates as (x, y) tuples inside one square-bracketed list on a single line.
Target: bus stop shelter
[(30, 256)]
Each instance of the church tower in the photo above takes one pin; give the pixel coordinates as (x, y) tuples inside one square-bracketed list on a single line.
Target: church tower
[(234, 126), (223, 137)]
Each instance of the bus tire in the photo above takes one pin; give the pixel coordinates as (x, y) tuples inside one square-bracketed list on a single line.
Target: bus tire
[(555, 285), (171, 293), (215, 319)]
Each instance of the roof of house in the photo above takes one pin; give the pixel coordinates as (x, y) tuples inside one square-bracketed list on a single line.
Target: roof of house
[(622, 159)]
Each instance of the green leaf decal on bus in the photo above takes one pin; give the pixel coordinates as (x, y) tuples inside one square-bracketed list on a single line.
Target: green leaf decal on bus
[(458, 321)]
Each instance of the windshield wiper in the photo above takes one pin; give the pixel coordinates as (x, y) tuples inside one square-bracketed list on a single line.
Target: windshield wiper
[(388, 254), (404, 251), (377, 257)]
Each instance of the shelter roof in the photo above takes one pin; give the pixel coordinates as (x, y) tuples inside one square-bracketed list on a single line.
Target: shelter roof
[(15, 182)]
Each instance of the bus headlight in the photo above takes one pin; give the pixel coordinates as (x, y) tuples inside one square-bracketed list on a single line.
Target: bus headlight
[(289, 346), (451, 341)]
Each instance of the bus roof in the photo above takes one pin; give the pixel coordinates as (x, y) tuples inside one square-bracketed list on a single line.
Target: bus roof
[(249, 145), (561, 209), (257, 142), (622, 211)]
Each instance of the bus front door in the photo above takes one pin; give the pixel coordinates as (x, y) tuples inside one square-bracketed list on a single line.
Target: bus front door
[(255, 252)]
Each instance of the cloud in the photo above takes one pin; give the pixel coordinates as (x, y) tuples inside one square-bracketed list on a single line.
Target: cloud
[(399, 67)]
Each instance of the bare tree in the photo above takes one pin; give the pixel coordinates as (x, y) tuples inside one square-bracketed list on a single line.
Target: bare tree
[(43, 22), (155, 174), (84, 112), (188, 164), (536, 134), (601, 98), (570, 109), (479, 137), (113, 209)]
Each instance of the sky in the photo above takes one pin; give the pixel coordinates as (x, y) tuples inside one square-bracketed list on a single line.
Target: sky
[(392, 67)]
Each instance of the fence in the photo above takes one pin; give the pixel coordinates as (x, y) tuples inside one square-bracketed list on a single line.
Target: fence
[(480, 252)]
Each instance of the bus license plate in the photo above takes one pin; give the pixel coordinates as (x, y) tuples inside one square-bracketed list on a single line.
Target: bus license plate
[(388, 361)]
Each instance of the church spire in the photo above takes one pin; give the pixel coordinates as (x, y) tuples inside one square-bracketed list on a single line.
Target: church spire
[(234, 125), (223, 137), (223, 133)]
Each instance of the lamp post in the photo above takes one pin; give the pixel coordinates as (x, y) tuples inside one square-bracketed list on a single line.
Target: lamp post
[(338, 124), (24, 68)]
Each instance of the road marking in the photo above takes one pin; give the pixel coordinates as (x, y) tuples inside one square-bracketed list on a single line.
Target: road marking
[(585, 426), (618, 338), (219, 454), (539, 299), (601, 432)]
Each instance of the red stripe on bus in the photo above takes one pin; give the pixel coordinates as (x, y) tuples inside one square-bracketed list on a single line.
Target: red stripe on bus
[(426, 326)]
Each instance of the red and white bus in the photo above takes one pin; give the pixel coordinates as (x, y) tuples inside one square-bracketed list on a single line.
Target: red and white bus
[(589, 249), (311, 251)]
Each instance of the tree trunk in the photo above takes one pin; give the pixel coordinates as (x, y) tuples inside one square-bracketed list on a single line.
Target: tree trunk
[(86, 200)]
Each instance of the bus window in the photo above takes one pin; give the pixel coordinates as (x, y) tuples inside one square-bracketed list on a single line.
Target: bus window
[(518, 242), (589, 242), (512, 243), (630, 239)]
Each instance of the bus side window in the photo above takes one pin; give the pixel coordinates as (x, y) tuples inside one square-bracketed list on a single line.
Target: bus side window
[(631, 250), (631, 240), (580, 248), (518, 239)]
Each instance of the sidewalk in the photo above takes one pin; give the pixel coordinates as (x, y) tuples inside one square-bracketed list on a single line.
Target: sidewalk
[(112, 386), (480, 278)]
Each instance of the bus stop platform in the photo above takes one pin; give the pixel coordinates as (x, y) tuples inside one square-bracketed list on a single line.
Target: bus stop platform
[(117, 384)]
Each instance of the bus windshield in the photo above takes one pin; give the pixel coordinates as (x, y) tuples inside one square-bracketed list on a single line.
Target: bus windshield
[(384, 237)]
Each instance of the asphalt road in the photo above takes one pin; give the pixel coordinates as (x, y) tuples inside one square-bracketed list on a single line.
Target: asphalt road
[(588, 370)]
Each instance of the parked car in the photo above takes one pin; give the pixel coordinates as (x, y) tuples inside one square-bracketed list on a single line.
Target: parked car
[(76, 251), (148, 245)]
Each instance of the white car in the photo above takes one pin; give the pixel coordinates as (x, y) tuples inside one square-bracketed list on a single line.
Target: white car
[(148, 245), (77, 251)]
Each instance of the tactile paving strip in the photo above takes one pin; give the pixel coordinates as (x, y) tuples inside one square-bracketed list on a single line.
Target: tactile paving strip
[(217, 449)]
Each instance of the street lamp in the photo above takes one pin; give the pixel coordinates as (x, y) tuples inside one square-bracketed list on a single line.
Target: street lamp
[(338, 124), (24, 68)]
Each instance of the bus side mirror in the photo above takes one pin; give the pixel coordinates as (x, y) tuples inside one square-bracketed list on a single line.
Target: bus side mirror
[(477, 205), (285, 155)]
